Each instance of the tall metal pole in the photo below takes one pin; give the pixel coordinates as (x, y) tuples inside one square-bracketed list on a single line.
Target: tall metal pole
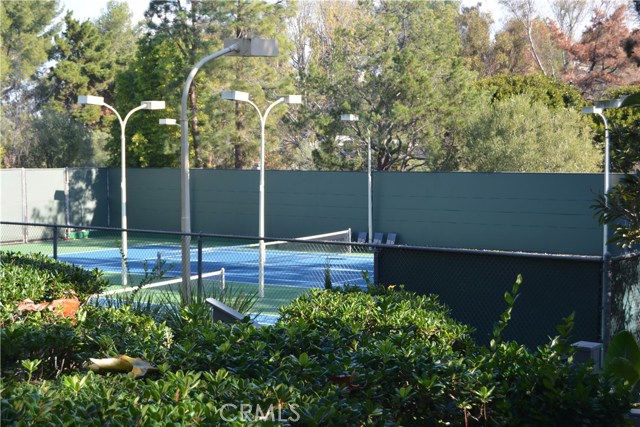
[(185, 197), (261, 232), (145, 105), (123, 202), (244, 97), (123, 187), (605, 227), (369, 195)]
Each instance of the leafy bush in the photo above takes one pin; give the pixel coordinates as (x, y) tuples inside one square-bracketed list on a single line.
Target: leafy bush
[(40, 278), (339, 358), (62, 345)]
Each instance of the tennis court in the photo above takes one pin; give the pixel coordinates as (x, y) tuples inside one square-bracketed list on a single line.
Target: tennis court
[(303, 263)]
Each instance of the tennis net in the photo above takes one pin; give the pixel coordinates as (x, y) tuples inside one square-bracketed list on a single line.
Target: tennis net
[(207, 284)]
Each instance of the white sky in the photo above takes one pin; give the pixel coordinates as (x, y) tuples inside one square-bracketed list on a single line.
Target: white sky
[(90, 9)]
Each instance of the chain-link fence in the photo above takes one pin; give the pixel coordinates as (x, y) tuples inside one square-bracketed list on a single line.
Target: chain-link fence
[(624, 299), (152, 259), (471, 282)]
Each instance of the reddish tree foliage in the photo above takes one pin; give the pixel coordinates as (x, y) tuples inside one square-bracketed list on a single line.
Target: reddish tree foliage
[(599, 60)]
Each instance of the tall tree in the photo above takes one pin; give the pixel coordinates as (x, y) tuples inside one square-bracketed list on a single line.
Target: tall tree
[(599, 58), (221, 133), (25, 36), (25, 29), (78, 68), (518, 134), (400, 70), (524, 12), (474, 27)]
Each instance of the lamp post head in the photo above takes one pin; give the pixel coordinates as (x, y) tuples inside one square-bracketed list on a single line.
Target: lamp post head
[(90, 100), (153, 105), (253, 47), (292, 99), (610, 103), (235, 95), (592, 110), (168, 122), (349, 117)]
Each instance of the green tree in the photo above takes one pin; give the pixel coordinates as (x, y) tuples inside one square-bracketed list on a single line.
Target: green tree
[(475, 32), (518, 134), (624, 124), (25, 29), (88, 56), (25, 36), (60, 141), (399, 68), (177, 37), (548, 90)]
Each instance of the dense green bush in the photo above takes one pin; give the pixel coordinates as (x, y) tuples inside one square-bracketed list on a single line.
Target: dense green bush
[(40, 278), (63, 345), (334, 359)]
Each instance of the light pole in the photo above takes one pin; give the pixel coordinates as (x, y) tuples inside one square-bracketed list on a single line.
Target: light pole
[(145, 105), (598, 109), (239, 47), (233, 95), (355, 118)]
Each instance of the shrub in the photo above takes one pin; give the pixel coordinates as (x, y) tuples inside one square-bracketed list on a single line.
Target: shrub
[(40, 278), (339, 358)]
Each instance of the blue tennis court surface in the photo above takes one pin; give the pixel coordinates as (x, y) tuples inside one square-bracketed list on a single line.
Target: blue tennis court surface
[(282, 267)]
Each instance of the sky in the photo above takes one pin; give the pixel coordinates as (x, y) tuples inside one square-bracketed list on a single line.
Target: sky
[(90, 9)]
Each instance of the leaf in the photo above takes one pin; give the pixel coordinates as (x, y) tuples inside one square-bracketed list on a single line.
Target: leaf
[(624, 345), (110, 364), (621, 368), (140, 366), (136, 367), (623, 357)]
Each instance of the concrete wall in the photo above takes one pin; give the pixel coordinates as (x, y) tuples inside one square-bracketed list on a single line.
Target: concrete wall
[(75, 196)]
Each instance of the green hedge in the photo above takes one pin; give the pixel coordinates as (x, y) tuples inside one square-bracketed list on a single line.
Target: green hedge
[(334, 359), (40, 278)]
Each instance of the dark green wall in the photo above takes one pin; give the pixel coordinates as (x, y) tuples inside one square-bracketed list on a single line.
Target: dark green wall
[(502, 211)]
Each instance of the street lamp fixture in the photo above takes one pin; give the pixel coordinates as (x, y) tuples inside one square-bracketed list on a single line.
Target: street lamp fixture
[(232, 47), (355, 118), (144, 105), (234, 95), (168, 122)]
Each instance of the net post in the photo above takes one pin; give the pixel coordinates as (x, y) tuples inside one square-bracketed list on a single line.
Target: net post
[(222, 282), (199, 267)]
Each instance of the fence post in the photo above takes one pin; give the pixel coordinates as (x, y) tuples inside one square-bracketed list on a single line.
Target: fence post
[(25, 217), (200, 267), (55, 242), (605, 300)]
